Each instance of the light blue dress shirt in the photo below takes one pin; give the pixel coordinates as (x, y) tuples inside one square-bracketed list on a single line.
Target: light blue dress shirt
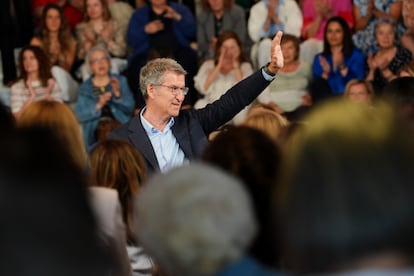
[(165, 145)]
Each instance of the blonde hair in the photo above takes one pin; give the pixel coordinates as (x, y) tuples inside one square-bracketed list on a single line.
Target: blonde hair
[(62, 121), (367, 84), (267, 121)]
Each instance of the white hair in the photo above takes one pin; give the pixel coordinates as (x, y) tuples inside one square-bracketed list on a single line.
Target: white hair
[(194, 220)]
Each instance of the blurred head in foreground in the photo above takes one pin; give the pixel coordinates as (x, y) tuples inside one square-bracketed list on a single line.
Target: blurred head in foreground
[(195, 220), (43, 202), (254, 157), (347, 191), (60, 119)]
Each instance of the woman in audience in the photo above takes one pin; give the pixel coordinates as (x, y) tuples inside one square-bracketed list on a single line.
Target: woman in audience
[(316, 14), (367, 14), (387, 61), (345, 202), (228, 67), (251, 155), (55, 37), (359, 91), (218, 16), (290, 91), (59, 118), (117, 165), (35, 81), (103, 95), (339, 61), (56, 40), (99, 28)]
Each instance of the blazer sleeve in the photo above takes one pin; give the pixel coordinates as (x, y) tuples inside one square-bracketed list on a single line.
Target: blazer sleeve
[(232, 102)]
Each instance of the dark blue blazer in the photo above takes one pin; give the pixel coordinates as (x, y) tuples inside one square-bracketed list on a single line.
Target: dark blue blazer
[(192, 127)]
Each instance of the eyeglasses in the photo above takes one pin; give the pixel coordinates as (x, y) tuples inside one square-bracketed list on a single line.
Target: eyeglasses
[(99, 59), (175, 90)]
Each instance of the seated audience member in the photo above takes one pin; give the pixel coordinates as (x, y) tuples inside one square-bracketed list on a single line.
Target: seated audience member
[(217, 75), (206, 232), (316, 14), (60, 119), (56, 40), (291, 90), (252, 156), (55, 37), (118, 166), (345, 205), (44, 203), (400, 92), (162, 29), (100, 29), (216, 17), (167, 136), (407, 70), (102, 96), (339, 61), (359, 91), (35, 81), (387, 61), (266, 18), (367, 14), (265, 119)]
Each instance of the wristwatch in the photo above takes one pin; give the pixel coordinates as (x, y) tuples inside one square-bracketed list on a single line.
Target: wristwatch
[(267, 71)]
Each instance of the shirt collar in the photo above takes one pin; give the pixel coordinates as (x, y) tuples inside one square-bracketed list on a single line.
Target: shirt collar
[(149, 128)]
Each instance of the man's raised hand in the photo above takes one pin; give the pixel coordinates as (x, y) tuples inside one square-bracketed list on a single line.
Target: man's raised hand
[(276, 55)]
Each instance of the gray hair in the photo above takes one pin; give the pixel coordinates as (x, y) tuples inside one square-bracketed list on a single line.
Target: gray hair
[(93, 50), (388, 21), (194, 220), (154, 70)]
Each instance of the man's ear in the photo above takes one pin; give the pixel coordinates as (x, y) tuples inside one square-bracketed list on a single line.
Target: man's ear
[(150, 90)]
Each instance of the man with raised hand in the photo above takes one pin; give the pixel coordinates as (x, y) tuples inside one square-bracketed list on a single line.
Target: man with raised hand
[(167, 136)]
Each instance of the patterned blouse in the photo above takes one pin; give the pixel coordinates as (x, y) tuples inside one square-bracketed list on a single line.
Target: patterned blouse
[(365, 38), (402, 57)]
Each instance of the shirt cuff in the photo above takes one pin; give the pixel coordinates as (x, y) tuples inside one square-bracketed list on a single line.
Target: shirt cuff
[(266, 76)]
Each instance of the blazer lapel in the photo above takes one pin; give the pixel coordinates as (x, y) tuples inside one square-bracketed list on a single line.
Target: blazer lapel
[(182, 135), (139, 138)]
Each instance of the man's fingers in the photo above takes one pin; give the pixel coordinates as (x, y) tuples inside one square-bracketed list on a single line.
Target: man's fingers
[(277, 38)]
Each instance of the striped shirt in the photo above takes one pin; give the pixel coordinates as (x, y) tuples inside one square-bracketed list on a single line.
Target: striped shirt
[(19, 94)]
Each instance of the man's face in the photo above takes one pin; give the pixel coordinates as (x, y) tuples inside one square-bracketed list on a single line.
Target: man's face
[(163, 99)]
